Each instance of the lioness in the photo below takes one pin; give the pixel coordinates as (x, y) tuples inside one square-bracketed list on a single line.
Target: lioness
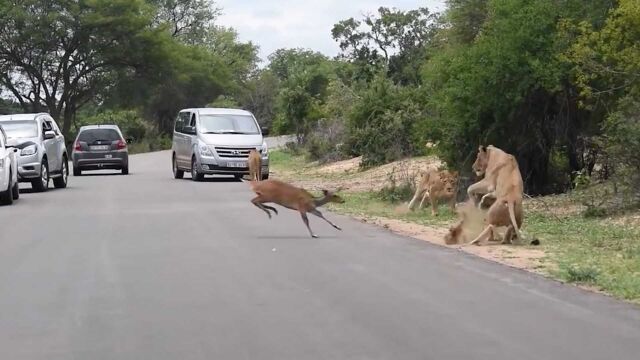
[(502, 184), (255, 165), (436, 185)]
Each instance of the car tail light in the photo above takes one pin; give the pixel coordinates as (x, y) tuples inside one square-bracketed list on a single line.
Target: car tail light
[(121, 144), (77, 146)]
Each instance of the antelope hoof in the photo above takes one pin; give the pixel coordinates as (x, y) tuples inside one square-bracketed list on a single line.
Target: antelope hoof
[(337, 227), (314, 236)]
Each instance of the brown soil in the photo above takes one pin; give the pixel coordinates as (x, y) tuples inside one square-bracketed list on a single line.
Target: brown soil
[(347, 175), (521, 257)]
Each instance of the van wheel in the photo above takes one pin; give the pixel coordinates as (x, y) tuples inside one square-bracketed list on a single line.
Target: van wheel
[(195, 175), (77, 172), (61, 182), (177, 173), (125, 170), (42, 183), (265, 177)]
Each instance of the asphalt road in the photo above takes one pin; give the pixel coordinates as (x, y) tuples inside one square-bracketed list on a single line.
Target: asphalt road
[(147, 267)]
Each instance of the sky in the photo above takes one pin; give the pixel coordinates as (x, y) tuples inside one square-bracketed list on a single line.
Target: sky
[(278, 24)]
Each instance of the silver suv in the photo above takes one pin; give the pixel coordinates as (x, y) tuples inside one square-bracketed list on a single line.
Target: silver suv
[(214, 141), (42, 150)]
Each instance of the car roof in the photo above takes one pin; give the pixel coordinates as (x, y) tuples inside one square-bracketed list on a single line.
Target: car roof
[(99, 126), (17, 117), (218, 111)]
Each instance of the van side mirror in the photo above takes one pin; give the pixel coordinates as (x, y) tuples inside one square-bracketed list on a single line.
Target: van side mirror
[(191, 130), (265, 131), (49, 135)]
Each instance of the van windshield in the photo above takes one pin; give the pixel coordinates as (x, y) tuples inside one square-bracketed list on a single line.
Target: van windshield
[(228, 124), (20, 129)]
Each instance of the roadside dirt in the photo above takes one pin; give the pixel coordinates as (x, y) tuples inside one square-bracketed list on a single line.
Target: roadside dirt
[(348, 176), (521, 257)]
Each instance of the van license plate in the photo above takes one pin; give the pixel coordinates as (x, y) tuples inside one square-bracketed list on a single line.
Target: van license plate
[(237, 164), (108, 156)]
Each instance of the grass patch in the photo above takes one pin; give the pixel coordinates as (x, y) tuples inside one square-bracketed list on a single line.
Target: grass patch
[(591, 251), (370, 204)]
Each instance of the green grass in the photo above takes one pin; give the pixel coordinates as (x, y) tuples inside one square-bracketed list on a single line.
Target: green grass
[(370, 204), (584, 250), (591, 251), (281, 160)]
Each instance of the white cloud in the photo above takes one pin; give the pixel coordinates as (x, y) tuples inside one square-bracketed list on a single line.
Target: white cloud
[(293, 23)]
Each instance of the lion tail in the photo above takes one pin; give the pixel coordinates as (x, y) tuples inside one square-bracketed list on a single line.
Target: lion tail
[(512, 214)]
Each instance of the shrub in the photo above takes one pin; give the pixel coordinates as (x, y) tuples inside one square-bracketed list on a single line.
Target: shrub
[(586, 274), (382, 124), (399, 186)]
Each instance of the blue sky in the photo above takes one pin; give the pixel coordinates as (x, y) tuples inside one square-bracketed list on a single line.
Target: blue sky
[(293, 23)]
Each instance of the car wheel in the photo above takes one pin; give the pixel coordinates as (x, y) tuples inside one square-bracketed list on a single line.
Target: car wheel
[(177, 173), (195, 175), (61, 182), (265, 177), (15, 191), (77, 171), (42, 183), (125, 170), (6, 197)]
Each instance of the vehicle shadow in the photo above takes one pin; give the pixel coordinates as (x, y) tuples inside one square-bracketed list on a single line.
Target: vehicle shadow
[(216, 179), (103, 174)]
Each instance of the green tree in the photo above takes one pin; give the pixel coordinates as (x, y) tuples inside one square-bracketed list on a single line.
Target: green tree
[(189, 21), (58, 55), (509, 87), (395, 40), (606, 68)]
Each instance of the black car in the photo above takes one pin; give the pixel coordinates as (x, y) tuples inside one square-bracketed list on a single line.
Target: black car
[(99, 147)]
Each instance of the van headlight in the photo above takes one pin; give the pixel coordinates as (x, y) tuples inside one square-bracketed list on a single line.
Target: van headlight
[(265, 149), (29, 150), (205, 151)]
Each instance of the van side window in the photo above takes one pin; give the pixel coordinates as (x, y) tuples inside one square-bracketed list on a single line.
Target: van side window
[(185, 120), (179, 123)]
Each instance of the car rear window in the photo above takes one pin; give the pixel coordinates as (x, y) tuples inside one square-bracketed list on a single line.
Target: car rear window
[(93, 135)]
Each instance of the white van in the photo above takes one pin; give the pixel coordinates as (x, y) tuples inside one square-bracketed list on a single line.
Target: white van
[(215, 141)]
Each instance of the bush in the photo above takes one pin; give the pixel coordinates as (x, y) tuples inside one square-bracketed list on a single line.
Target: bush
[(323, 142), (399, 187), (382, 125), (577, 274), (129, 122)]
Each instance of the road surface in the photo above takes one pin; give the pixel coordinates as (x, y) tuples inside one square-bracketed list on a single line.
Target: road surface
[(147, 267)]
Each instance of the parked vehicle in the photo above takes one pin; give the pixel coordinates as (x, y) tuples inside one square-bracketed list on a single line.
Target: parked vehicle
[(9, 190), (99, 147), (216, 141), (42, 152)]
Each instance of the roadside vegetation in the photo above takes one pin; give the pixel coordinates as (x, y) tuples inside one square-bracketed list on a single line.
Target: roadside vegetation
[(600, 252)]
